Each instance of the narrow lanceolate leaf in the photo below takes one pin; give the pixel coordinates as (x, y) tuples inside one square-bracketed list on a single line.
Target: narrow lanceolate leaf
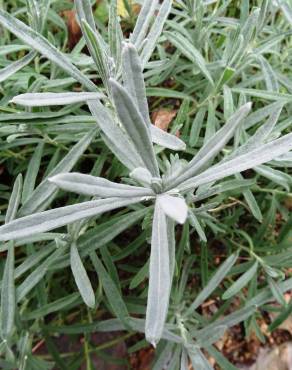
[(251, 201), (46, 99), (174, 207), (155, 31), (241, 282), (46, 189), (171, 246), (205, 337), (12, 68), (213, 283), (264, 153), (115, 35), (165, 139), (213, 146), (97, 186), (276, 291), (159, 278), (262, 133), (14, 200), (135, 126), (37, 274), (31, 173), (112, 292), (198, 359), (98, 51), (276, 176), (189, 50), (269, 75), (42, 45), (133, 79), (116, 139), (84, 11), (135, 86), (81, 277), (48, 220), (8, 295), (143, 22), (184, 361)]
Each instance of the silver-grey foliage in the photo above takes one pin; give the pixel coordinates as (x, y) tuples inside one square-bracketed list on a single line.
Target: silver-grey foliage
[(122, 120)]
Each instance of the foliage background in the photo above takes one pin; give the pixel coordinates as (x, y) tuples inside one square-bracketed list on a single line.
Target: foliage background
[(256, 220)]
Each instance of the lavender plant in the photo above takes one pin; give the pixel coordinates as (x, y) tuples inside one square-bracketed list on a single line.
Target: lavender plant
[(169, 189)]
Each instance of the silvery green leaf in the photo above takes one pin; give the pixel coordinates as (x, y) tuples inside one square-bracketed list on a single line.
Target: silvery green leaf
[(276, 176), (220, 358), (98, 51), (143, 22), (12, 68), (263, 14), (287, 10), (141, 175), (213, 283), (159, 278), (171, 246), (47, 99), (213, 146), (14, 199), (262, 133), (252, 204), (276, 291), (55, 306), (184, 360), (8, 295), (251, 201), (135, 126), (225, 186), (174, 207), (235, 317), (263, 154), (84, 11), (248, 28), (113, 294), (264, 94), (31, 173), (165, 139), (206, 336), (37, 274), (133, 79), (269, 75), (97, 186), (34, 14), (241, 282), (155, 31), (197, 126), (189, 50), (228, 102), (81, 277), (42, 45), (195, 223), (115, 34), (258, 115), (46, 189), (198, 360), (116, 139), (49, 220)]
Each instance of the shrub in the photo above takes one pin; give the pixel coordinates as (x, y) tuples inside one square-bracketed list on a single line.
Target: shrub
[(145, 182)]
